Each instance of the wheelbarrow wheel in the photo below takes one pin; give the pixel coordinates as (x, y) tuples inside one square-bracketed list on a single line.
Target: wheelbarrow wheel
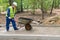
[(28, 27)]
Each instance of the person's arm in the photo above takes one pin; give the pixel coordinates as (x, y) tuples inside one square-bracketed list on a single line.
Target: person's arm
[(8, 12)]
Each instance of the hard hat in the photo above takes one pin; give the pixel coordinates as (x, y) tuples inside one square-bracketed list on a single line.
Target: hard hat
[(14, 3)]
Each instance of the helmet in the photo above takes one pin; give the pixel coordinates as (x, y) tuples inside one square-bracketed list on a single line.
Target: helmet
[(14, 3)]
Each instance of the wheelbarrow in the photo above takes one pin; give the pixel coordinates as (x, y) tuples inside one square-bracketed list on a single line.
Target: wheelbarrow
[(26, 22)]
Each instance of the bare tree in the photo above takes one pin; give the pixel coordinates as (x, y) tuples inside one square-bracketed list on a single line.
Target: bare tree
[(21, 6), (10, 2), (58, 3), (52, 7), (42, 9)]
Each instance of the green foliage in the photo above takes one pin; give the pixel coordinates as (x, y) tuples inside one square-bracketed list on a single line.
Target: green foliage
[(32, 4), (56, 3), (4, 4)]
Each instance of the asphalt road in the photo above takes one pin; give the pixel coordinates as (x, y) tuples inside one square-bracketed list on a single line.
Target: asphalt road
[(37, 33)]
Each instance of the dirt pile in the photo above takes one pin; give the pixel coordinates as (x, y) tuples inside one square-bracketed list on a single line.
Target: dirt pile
[(52, 20)]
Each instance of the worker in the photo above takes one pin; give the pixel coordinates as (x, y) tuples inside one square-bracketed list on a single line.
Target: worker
[(10, 15)]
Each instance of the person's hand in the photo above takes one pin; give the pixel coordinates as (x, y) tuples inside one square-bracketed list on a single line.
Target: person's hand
[(9, 17), (16, 19)]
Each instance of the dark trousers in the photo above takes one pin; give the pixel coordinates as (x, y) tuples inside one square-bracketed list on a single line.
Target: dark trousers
[(8, 22)]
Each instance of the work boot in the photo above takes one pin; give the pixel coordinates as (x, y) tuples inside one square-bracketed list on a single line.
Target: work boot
[(17, 29)]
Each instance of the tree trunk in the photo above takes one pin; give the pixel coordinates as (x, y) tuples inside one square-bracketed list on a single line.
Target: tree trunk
[(21, 6), (27, 5), (58, 3), (10, 2), (52, 8), (54, 3), (42, 9)]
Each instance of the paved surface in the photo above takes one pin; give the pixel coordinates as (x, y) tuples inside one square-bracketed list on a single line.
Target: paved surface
[(37, 33), (35, 30)]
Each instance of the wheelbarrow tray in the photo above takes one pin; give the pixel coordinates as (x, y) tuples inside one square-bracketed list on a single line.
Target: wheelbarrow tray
[(25, 20)]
